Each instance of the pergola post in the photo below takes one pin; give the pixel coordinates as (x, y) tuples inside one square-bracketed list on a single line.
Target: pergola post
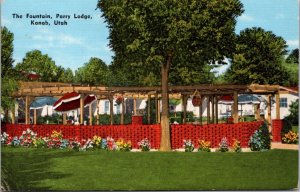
[(148, 108), (216, 105), (208, 109), (277, 105), (13, 117), (34, 117), (81, 108), (90, 114), (257, 111), (158, 110), (27, 109), (184, 103), (98, 112), (64, 118), (111, 110), (156, 107), (269, 112), (122, 111), (235, 114), (134, 105), (200, 111), (213, 108)]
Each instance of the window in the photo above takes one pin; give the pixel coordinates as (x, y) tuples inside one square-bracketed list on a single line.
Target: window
[(106, 107), (118, 109), (283, 102)]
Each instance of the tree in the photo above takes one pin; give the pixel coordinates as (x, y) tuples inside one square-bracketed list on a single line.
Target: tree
[(293, 117), (6, 51), (65, 75), (8, 82), (293, 56), (258, 58), (94, 72), (43, 65), (154, 36)]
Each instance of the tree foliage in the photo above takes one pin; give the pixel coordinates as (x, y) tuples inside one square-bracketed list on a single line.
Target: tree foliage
[(293, 57), (6, 51), (95, 72), (257, 58), (142, 33), (65, 75), (41, 64), (8, 82)]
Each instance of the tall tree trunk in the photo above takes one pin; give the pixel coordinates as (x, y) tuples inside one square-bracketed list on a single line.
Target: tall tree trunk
[(165, 144)]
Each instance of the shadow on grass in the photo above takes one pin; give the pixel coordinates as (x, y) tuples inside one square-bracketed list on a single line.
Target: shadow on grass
[(25, 169)]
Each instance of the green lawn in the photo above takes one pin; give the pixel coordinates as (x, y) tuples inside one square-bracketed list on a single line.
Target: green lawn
[(46, 169)]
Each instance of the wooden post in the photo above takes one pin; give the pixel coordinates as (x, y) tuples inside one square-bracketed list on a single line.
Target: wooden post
[(184, 103), (208, 109), (111, 110), (34, 117), (216, 104), (200, 111), (13, 111), (27, 110), (235, 114), (156, 107), (277, 105), (269, 112), (64, 118), (257, 111), (158, 111), (90, 114), (81, 108), (122, 111), (98, 112), (134, 106), (148, 108), (213, 108)]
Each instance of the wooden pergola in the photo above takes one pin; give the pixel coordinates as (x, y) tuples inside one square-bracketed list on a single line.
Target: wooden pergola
[(30, 90)]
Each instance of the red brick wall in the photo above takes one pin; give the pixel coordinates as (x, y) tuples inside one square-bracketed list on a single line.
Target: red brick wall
[(135, 133), (213, 133)]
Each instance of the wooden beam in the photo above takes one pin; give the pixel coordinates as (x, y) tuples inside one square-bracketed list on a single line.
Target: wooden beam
[(98, 112), (81, 108), (235, 114), (277, 105), (156, 107)]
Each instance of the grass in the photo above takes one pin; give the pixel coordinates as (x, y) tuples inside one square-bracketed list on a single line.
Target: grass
[(45, 169)]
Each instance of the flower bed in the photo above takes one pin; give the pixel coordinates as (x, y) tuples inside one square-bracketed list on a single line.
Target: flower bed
[(56, 141)]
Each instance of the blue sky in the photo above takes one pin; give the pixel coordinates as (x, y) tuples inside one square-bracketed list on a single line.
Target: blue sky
[(74, 44)]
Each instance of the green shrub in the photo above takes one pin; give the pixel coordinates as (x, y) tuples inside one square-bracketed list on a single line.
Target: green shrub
[(260, 140)]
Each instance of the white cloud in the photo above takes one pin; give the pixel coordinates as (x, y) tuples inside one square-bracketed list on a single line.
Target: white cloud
[(48, 39), (246, 17), (293, 43)]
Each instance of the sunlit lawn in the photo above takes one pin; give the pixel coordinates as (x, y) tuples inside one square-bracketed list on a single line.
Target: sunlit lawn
[(45, 169)]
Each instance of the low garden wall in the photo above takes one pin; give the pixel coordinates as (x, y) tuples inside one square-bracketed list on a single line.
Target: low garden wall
[(213, 133), (135, 133)]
